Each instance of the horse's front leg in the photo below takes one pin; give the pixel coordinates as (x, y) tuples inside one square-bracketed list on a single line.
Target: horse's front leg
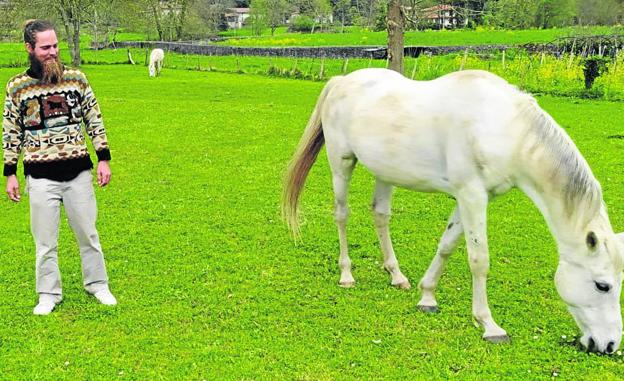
[(429, 281), (381, 214), (472, 202)]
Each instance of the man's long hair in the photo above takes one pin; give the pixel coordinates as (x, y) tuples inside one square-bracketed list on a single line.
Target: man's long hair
[(34, 26)]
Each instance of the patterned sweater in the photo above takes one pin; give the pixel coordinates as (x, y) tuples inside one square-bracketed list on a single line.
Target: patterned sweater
[(44, 122)]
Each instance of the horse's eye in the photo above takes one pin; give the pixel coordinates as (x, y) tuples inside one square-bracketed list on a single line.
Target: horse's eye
[(591, 240), (602, 287)]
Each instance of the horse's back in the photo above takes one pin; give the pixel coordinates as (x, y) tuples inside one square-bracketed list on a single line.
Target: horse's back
[(157, 55), (459, 95), (415, 133)]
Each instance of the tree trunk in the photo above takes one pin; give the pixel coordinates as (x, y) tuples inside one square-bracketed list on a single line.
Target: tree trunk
[(396, 22), (159, 28), (71, 23), (95, 30), (181, 19), (76, 60)]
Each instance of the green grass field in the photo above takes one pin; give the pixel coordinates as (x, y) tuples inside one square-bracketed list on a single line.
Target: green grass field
[(210, 285), (356, 36), (532, 72)]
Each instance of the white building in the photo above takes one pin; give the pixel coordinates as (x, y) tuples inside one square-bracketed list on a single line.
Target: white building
[(236, 17), (442, 15)]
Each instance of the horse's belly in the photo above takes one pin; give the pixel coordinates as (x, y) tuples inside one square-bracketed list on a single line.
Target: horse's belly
[(439, 184), (424, 172)]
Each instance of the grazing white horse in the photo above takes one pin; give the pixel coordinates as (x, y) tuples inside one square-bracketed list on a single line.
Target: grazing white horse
[(474, 136), (156, 61)]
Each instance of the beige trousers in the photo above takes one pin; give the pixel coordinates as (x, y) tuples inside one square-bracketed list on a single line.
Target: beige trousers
[(78, 198)]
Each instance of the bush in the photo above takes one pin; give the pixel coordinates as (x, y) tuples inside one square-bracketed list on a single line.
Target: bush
[(593, 67), (302, 24)]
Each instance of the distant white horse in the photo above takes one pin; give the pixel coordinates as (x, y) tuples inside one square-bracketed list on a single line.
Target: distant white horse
[(156, 61), (474, 136)]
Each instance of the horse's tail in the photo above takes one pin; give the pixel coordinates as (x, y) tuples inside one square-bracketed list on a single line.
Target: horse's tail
[(309, 146)]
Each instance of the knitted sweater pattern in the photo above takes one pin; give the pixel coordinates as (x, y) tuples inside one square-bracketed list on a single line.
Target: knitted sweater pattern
[(43, 121)]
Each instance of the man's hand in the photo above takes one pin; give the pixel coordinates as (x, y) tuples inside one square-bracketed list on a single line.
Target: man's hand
[(12, 188), (103, 173)]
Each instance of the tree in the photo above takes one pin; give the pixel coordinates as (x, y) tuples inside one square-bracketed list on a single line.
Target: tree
[(514, 14), (600, 12), (552, 13), (342, 10), (101, 17), (212, 13), (368, 11), (179, 15), (318, 10), (469, 11), (396, 25), (271, 13), (151, 10), (412, 12), (73, 13), (169, 16), (106, 18), (8, 24)]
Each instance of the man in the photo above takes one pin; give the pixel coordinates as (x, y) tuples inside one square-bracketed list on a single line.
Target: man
[(43, 112)]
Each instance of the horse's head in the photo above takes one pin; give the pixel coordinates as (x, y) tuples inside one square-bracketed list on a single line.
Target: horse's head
[(589, 279), (152, 70)]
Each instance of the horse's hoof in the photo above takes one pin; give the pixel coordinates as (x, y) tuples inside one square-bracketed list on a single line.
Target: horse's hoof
[(500, 339), (347, 284), (429, 309), (403, 285)]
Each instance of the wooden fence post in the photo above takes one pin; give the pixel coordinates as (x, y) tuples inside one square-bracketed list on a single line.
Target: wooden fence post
[(463, 63), (504, 59)]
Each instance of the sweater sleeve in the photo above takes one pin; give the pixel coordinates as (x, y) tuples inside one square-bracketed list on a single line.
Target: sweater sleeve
[(94, 124), (12, 135)]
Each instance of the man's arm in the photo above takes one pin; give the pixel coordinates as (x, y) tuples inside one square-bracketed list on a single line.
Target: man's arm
[(12, 140), (94, 126)]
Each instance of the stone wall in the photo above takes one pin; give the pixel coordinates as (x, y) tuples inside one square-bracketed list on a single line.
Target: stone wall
[(375, 52)]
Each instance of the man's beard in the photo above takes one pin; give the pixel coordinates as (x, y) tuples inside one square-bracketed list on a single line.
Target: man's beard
[(49, 71)]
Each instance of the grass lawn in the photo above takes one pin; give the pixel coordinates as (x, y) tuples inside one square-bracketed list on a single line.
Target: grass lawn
[(210, 286), (533, 72), (355, 36)]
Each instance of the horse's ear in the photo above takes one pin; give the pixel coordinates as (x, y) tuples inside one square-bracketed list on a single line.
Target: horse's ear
[(592, 240)]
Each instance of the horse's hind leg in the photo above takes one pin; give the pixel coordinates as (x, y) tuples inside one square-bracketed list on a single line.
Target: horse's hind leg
[(381, 213), (447, 244), (342, 168)]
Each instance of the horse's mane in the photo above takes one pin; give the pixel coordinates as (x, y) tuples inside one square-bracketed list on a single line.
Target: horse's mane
[(582, 192)]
